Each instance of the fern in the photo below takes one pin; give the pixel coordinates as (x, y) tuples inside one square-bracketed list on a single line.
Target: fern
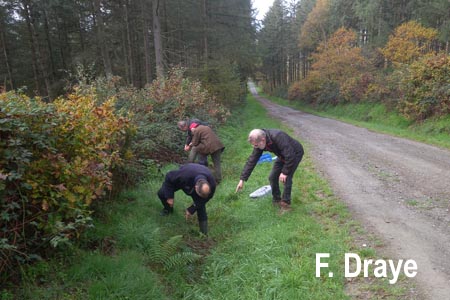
[(180, 259), (172, 244), (168, 253)]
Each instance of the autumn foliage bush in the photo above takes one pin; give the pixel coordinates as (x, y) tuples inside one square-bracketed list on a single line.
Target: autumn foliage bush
[(409, 42), (55, 160), (426, 88), (339, 73), (416, 82), (422, 76)]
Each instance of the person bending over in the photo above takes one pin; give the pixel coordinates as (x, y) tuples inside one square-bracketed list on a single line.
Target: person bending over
[(196, 181), (289, 154)]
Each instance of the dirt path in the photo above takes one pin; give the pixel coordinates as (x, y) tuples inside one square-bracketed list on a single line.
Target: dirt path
[(397, 188)]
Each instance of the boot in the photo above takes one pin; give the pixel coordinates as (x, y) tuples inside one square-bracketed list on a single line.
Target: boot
[(284, 207), (203, 227), (166, 211)]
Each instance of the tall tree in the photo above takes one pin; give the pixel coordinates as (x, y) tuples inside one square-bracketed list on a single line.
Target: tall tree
[(303, 10), (157, 38), (271, 39), (127, 38), (101, 37), (8, 79), (38, 54), (146, 38), (317, 27), (380, 17), (435, 14)]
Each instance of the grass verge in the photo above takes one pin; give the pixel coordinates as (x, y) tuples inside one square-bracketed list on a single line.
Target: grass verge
[(252, 251), (376, 117)]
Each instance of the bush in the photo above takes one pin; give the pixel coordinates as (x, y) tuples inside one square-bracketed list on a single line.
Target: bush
[(409, 42), (355, 88), (157, 108), (426, 88), (55, 159), (154, 112), (339, 72)]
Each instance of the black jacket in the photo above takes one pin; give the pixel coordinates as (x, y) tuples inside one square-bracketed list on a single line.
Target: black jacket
[(185, 178), (288, 150)]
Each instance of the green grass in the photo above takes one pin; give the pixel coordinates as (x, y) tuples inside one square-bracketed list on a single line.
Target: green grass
[(252, 251), (376, 117)]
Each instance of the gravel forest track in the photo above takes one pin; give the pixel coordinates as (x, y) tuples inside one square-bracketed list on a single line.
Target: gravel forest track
[(397, 188)]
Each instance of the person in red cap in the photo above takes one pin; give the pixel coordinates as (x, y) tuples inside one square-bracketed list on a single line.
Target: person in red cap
[(206, 142), (188, 125)]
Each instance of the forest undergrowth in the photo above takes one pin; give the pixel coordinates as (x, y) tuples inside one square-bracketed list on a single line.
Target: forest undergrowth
[(252, 251)]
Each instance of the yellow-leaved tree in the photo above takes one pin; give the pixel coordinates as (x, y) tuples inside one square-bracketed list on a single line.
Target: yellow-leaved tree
[(339, 71), (315, 29), (409, 42)]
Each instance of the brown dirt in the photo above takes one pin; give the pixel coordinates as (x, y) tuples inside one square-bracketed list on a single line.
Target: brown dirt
[(397, 188)]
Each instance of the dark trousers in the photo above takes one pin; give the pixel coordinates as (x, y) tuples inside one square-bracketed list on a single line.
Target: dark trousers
[(217, 167), (199, 206), (215, 156), (275, 183), (162, 196), (193, 155)]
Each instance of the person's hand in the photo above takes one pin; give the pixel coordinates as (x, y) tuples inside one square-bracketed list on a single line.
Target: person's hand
[(170, 202), (187, 215), (240, 185), (283, 178), (187, 147)]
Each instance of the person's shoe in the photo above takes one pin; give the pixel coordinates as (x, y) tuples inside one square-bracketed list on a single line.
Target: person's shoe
[(284, 207), (276, 203), (166, 212)]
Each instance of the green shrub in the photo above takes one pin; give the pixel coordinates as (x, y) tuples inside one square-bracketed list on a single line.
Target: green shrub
[(55, 159), (155, 111)]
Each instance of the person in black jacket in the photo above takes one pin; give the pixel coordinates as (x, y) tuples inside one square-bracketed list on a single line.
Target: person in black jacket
[(196, 181), (289, 154), (188, 125)]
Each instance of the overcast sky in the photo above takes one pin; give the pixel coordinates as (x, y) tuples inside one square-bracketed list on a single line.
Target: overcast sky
[(262, 6)]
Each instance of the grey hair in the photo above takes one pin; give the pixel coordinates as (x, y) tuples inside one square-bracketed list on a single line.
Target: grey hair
[(203, 188), (181, 124), (256, 135)]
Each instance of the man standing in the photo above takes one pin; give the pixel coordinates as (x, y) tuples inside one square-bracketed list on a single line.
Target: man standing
[(187, 126), (206, 142), (196, 181), (289, 152)]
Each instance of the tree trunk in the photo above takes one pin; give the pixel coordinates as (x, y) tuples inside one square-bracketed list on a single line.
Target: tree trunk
[(157, 40), (101, 40), (64, 45), (129, 45), (49, 46), (80, 29), (36, 49), (7, 63), (145, 33), (205, 31)]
